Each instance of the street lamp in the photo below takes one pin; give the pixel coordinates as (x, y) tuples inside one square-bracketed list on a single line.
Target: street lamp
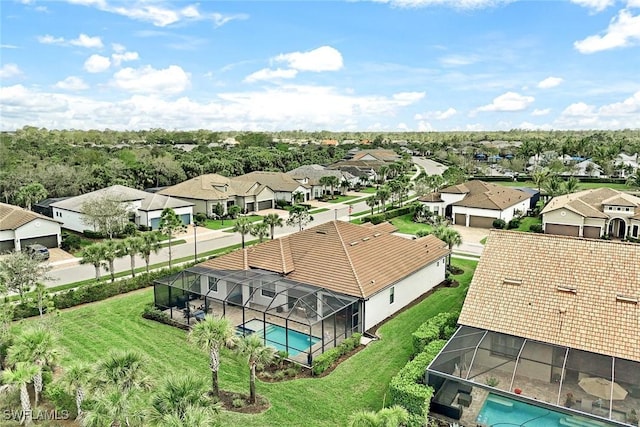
[(195, 243)]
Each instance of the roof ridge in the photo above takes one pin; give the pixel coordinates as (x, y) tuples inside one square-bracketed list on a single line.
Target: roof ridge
[(284, 262), (346, 252)]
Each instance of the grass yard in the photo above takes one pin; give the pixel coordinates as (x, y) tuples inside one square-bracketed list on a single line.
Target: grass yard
[(90, 331), (342, 199), (527, 222), (318, 210), (368, 190), (406, 225), (217, 224)]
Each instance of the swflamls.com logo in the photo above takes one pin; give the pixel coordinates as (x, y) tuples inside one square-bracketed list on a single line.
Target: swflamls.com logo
[(38, 414)]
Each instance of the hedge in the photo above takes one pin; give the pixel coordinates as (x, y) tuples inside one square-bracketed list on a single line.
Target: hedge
[(392, 213), (325, 360), (406, 388), (440, 326)]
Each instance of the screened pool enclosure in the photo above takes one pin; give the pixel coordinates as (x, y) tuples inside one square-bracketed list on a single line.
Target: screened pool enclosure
[(566, 380), (301, 319)]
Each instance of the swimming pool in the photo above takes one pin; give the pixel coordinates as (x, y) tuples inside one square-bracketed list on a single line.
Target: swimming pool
[(501, 411), (277, 337)]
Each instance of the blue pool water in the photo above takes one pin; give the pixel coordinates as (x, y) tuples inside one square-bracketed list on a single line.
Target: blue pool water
[(500, 411), (277, 337)]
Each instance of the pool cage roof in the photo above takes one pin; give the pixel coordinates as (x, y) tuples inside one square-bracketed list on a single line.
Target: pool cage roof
[(317, 303), (475, 354)]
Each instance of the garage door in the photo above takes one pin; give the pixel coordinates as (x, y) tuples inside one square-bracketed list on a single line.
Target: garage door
[(251, 206), (186, 219), (265, 204), (591, 231), (155, 223), (461, 219), (565, 230), (6, 246), (481, 221), (50, 241)]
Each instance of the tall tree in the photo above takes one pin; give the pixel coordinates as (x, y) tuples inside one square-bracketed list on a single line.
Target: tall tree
[(111, 252), (297, 197), (106, 214), (371, 201), (131, 246), (260, 230), (383, 194), (634, 179), (19, 272), (122, 370), (243, 226), (540, 177), (178, 396), (95, 255), (299, 215), (254, 350), (149, 243), (170, 224), (31, 193), (75, 380), (211, 335), (450, 236), (19, 377), (273, 220)]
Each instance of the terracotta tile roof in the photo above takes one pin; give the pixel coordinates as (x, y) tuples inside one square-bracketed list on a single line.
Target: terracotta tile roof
[(589, 203), (340, 256), (486, 195), (277, 181), (13, 217), (560, 290), (431, 198), (213, 187), (383, 227), (382, 155)]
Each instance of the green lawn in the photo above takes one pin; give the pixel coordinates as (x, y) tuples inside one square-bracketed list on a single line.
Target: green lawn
[(342, 199), (315, 211), (527, 222), (405, 224), (582, 186), (368, 190), (217, 224), (90, 331)]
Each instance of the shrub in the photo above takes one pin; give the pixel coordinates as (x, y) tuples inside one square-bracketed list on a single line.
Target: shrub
[(499, 224), (200, 218), (291, 372), (375, 219), (492, 381), (151, 312), (90, 234), (143, 227), (440, 326), (536, 228), (129, 230), (281, 203), (324, 361), (279, 375), (60, 399), (70, 242), (514, 223), (238, 403)]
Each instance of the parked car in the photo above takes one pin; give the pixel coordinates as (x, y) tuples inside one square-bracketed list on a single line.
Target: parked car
[(37, 251)]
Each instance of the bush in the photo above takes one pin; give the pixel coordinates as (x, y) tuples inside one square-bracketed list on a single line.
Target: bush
[(329, 357), (279, 375), (90, 234), (151, 312), (281, 203), (499, 224), (129, 229), (60, 399), (440, 326), (375, 219), (200, 218), (70, 242), (536, 228), (143, 227), (514, 223), (238, 403)]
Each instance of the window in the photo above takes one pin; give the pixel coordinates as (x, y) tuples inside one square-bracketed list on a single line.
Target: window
[(213, 284), (392, 294), (626, 209), (268, 290), (437, 263), (635, 231)]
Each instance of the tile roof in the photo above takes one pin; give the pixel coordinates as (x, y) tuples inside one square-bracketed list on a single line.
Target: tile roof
[(486, 195), (13, 217), (431, 198), (379, 154), (158, 202), (213, 187), (589, 203), (315, 172), (560, 290), (120, 193), (340, 256), (277, 181)]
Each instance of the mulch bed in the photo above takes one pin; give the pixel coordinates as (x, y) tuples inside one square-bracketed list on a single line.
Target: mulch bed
[(227, 398)]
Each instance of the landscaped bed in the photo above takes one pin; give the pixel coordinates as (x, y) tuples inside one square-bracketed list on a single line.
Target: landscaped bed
[(360, 382)]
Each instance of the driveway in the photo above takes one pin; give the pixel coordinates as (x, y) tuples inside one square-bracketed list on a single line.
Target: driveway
[(471, 238), (430, 166)]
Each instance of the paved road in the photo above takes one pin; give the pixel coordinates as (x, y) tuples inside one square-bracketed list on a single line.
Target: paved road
[(430, 166)]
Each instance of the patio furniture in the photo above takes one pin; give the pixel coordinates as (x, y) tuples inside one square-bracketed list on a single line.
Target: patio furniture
[(603, 388), (464, 399), (586, 405), (198, 314)]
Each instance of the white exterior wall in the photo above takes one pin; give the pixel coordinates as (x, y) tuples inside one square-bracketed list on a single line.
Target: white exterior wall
[(377, 307), (287, 195), (449, 198), (557, 217), (507, 215), (37, 228), (148, 216), (437, 207), (71, 220)]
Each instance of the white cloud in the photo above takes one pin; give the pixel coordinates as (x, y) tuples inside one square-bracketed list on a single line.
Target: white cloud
[(72, 83), (550, 82), (509, 101), (118, 48), (84, 40), (49, 39), (8, 46), (325, 58), (438, 115), (269, 74), (9, 71), (119, 58), (541, 112), (456, 4), (97, 64), (408, 98), (424, 126), (171, 80), (629, 106), (623, 31), (458, 60), (633, 3), (594, 5)]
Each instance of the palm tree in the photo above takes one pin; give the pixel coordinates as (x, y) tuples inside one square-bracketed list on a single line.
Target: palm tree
[(540, 177), (634, 180), (450, 236), (324, 181), (111, 250), (30, 194), (273, 220), (211, 335), (194, 417), (382, 174), (372, 202), (364, 180), (75, 380), (150, 243), (170, 224), (94, 255), (177, 397), (344, 185), (19, 377), (243, 226), (383, 195), (131, 246), (123, 371), (332, 182), (37, 346), (260, 230), (253, 348), (297, 197), (554, 186), (571, 185), (115, 408)]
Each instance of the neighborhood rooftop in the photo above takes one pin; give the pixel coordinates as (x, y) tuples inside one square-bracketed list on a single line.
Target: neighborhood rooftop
[(12, 217), (590, 203), (485, 195), (573, 292), (361, 260)]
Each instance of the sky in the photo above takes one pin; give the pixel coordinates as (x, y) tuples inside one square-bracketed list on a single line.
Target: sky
[(382, 65)]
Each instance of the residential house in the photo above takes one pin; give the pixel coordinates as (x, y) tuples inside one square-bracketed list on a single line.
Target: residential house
[(20, 227), (282, 185), (145, 208), (548, 335), (585, 168), (593, 213), (315, 287), (478, 203), (378, 154), (207, 191), (627, 164), (311, 175)]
